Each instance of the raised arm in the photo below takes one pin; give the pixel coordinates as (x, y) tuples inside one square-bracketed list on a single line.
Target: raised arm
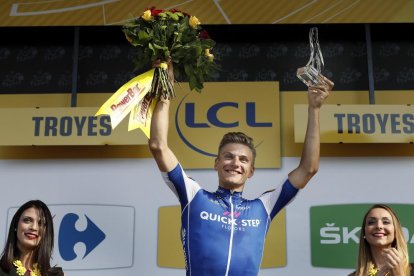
[(309, 162), (158, 142)]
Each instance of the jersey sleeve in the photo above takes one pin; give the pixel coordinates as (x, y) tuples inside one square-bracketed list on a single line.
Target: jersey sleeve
[(184, 187), (275, 200)]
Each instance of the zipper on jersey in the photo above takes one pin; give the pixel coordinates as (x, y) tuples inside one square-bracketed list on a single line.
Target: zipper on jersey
[(231, 235)]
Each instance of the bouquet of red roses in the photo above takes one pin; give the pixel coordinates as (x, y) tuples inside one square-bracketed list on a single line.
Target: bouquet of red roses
[(169, 36), (172, 36)]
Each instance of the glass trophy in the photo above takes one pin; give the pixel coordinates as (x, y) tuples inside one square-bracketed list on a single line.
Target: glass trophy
[(311, 73)]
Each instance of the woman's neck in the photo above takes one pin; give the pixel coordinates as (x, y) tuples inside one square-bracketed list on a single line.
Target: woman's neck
[(378, 257), (26, 257)]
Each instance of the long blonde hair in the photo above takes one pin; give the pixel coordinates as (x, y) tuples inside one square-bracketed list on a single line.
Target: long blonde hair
[(365, 258)]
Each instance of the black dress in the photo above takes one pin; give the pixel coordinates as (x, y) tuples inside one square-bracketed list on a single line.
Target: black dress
[(12, 272), (54, 271)]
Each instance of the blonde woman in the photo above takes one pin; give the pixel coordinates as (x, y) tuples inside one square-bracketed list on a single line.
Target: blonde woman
[(382, 246)]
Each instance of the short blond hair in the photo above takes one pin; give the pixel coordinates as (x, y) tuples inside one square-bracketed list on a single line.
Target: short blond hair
[(238, 138)]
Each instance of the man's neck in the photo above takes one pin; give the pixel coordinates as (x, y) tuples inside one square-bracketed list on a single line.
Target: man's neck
[(232, 188)]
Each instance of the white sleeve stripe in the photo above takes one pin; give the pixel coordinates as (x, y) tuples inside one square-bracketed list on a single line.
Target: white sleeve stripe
[(270, 198), (179, 182), (191, 186), (169, 183)]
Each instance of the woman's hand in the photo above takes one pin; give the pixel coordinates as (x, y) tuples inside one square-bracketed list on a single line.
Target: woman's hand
[(393, 263)]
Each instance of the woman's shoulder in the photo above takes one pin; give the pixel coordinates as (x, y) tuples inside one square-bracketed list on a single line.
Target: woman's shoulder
[(4, 273), (56, 271)]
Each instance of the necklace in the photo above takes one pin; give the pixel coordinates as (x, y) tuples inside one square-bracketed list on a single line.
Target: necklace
[(372, 270), (21, 270)]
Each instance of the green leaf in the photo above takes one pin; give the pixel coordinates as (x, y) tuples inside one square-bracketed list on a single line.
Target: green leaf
[(160, 47), (207, 43), (169, 35), (142, 35), (173, 16)]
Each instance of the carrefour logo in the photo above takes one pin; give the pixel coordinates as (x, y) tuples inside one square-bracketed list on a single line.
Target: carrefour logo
[(87, 234), (335, 231), (201, 119), (69, 236)]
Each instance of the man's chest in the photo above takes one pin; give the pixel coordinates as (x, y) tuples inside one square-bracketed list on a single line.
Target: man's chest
[(214, 213)]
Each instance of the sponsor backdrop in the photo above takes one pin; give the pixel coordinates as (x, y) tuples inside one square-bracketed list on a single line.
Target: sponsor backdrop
[(360, 123), (112, 12), (115, 216), (110, 214), (221, 108), (250, 107)]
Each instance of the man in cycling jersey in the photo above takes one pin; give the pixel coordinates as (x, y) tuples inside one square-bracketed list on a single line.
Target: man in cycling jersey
[(222, 233)]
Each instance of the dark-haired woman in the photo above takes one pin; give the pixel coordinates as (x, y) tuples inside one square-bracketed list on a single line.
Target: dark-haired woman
[(29, 244)]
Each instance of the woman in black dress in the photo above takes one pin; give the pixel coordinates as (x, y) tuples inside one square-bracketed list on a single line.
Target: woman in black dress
[(29, 244)]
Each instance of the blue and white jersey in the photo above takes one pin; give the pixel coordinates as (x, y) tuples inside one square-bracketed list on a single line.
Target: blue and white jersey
[(222, 233)]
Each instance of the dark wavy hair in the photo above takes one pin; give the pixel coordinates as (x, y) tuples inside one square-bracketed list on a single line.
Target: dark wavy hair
[(43, 251)]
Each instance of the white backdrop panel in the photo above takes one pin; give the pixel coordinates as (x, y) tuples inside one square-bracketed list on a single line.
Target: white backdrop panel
[(135, 186)]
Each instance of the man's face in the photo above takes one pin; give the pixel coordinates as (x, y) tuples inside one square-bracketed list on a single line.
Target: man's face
[(234, 165)]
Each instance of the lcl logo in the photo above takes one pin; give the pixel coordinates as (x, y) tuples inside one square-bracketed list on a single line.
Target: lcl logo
[(212, 119)]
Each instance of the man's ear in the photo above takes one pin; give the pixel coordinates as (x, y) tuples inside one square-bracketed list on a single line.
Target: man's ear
[(252, 169), (215, 163)]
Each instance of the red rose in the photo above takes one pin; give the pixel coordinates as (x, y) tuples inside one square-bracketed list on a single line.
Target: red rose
[(204, 35), (155, 12)]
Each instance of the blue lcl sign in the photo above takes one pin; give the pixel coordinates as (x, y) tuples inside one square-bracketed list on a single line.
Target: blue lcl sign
[(201, 119), (214, 120)]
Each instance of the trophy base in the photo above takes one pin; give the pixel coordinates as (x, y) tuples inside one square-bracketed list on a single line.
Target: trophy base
[(309, 76)]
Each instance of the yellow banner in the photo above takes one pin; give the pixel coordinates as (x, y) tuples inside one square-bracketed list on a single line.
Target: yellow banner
[(360, 123), (62, 126), (141, 115), (198, 121), (128, 96)]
